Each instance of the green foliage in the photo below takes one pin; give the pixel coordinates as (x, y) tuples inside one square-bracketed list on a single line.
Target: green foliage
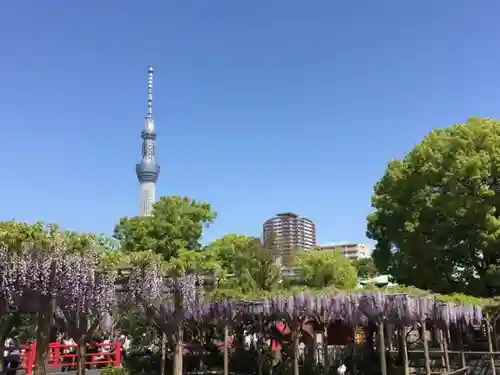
[(318, 268), (194, 261), (176, 223), (18, 236), (106, 243), (436, 212), (227, 248), (147, 258), (113, 260), (111, 370), (79, 242), (458, 298), (366, 267), (249, 266)]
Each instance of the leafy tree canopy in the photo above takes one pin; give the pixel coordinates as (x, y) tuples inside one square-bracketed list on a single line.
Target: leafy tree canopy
[(227, 248), (319, 268), (176, 223), (19, 236), (188, 261), (366, 267), (248, 265), (435, 221)]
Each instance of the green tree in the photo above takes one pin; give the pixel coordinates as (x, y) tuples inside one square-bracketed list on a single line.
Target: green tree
[(321, 268), (365, 267), (227, 248), (435, 215), (176, 223), (193, 261), (248, 265)]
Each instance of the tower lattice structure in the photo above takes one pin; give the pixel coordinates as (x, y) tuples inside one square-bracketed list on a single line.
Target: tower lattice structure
[(148, 169)]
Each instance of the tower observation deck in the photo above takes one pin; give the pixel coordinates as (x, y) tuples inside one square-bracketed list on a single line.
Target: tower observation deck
[(148, 169)]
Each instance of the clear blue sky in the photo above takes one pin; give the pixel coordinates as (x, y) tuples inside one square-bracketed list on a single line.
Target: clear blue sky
[(261, 106)]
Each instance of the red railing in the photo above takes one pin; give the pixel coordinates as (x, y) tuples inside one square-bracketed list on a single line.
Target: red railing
[(63, 355)]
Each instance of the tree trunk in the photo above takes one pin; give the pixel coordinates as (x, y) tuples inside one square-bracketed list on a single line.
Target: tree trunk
[(403, 350), (326, 354), (81, 352), (44, 325), (381, 348), (43, 335), (426, 347), (178, 347), (490, 345), (163, 362), (2, 349)]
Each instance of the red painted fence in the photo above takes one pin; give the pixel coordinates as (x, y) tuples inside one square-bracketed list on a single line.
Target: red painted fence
[(58, 356)]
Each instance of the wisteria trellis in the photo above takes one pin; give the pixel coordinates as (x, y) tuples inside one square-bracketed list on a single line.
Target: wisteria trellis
[(351, 308)]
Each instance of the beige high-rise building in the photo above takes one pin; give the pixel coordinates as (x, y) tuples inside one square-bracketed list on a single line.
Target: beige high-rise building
[(351, 251), (287, 232)]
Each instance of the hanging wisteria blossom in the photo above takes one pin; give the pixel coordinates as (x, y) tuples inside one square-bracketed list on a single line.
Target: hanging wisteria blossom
[(179, 297), (14, 268), (354, 308), (80, 287)]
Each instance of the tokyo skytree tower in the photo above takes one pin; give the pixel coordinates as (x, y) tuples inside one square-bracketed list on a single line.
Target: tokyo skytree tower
[(148, 169)]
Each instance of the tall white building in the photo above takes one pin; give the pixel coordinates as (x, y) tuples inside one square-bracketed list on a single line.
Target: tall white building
[(351, 251)]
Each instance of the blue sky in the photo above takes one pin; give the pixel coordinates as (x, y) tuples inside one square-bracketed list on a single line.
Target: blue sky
[(261, 106)]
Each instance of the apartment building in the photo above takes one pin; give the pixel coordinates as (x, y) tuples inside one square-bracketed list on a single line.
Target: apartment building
[(351, 251), (286, 233)]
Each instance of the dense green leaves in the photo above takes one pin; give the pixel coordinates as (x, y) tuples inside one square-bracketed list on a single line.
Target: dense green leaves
[(188, 261), (366, 267), (322, 268), (176, 223), (18, 236), (227, 248), (245, 264), (435, 220)]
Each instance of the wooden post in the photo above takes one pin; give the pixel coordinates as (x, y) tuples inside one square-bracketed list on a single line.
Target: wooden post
[(490, 344), (494, 332), (30, 362), (294, 327), (438, 335), (163, 361), (177, 336), (459, 327), (445, 336), (404, 350), (45, 320), (354, 344), (381, 345), (326, 361), (226, 350), (118, 355), (426, 348), (389, 333)]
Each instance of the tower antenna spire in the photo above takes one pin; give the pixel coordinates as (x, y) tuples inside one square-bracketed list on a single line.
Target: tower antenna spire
[(150, 93)]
